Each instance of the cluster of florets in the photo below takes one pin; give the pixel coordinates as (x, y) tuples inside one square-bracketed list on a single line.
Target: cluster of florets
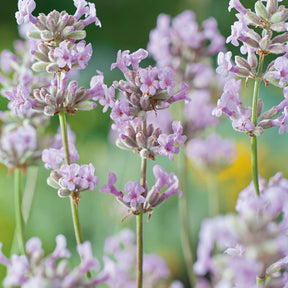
[(145, 89), (272, 21), (71, 179), (19, 147), (212, 153), (58, 32), (35, 270), (152, 141), (182, 44), (137, 198), (120, 261), (17, 78), (56, 50), (248, 243), (69, 98)]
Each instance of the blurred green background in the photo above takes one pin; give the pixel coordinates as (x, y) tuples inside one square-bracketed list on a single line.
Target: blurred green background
[(126, 25)]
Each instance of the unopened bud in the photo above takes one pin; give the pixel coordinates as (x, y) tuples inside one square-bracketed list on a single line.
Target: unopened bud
[(272, 6), (46, 35), (141, 139), (280, 15), (261, 10), (33, 34), (39, 66), (278, 27), (259, 107), (241, 62), (77, 35), (253, 18)]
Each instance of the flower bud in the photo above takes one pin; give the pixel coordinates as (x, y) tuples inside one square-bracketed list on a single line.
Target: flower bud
[(33, 34), (141, 139), (242, 63), (261, 10), (64, 193), (272, 6), (86, 105), (280, 15), (77, 35), (46, 35), (39, 66), (265, 42), (127, 141), (40, 56), (276, 49), (264, 124), (278, 27), (253, 18), (259, 107)]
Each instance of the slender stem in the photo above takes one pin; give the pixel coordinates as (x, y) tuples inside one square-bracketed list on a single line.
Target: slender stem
[(139, 250), (18, 211), (139, 222), (63, 125), (254, 120), (213, 193), (184, 219), (74, 208)]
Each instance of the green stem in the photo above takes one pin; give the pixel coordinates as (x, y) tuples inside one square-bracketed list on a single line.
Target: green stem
[(18, 211), (254, 120), (184, 219), (139, 221), (74, 206)]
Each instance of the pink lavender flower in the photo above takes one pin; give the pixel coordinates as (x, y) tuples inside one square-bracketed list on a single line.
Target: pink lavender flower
[(167, 141), (88, 180), (97, 87), (120, 262), (7, 59), (225, 64), (70, 177), (110, 188), (236, 4), (20, 101), (282, 121), (90, 15), (26, 271), (134, 196), (25, 7), (149, 83), (238, 248), (73, 178), (64, 55), (84, 53), (19, 147), (142, 88), (166, 76), (211, 153), (162, 178), (109, 99)]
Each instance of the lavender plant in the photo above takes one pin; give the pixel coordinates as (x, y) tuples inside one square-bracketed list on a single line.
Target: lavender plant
[(259, 242), (143, 90), (58, 51), (188, 48)]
